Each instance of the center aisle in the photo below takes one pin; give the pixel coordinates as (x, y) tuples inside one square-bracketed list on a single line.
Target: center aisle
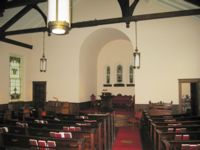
[(128, 138)]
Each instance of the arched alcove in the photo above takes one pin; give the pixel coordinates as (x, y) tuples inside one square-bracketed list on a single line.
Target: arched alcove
[(89, 52)]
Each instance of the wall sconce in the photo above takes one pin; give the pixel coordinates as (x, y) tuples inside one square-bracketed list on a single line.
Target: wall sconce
[(43, 60), (136, 54), (59, 16)]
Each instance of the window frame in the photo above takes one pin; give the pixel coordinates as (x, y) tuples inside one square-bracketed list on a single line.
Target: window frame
[(15, 93), (119, 73)]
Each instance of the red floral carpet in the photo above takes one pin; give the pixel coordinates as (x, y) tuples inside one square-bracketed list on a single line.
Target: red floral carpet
[(127, 138)]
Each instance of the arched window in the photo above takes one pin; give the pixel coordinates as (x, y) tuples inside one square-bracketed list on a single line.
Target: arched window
[(131, 74), (108, 75), (119, 73)]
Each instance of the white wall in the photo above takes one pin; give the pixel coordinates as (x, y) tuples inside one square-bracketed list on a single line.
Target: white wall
[(62, 53), (8, 50), (170, 51), (117, 52)]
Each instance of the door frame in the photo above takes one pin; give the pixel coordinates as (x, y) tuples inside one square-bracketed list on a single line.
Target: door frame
[(180, 81)]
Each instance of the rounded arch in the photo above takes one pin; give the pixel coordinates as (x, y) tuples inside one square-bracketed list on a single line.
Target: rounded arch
[(89, 52)]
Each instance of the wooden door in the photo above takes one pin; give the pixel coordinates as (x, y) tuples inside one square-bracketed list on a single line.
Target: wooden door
[(195, 98), (39, 94)]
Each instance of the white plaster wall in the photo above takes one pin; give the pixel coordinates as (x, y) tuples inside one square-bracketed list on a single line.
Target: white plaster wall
[(6, 51), (62, 53), (116, 52), (169, 51), (89, 52)]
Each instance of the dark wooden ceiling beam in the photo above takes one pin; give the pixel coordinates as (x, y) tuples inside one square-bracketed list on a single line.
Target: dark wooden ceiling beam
[(26, 31), (124, 5), (16, 18), (21, 44), (137, 18), (194, 2), (18, 3), (133, 6), (2, 7), (127, 10), (41, 13), (20, 14)]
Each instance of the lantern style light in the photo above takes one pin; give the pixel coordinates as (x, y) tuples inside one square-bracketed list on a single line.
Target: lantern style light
[(43, 60), (136, 54), (59, 16)]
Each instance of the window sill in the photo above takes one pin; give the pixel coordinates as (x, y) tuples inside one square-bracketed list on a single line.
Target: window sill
[(130, 85), (107, 85), (119, 85)]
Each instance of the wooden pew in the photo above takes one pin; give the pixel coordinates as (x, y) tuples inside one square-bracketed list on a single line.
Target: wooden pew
[(162, 130), (155, 125), (185, 118), (83, 125), (172, 136), (13, 141), (94, 138), (149, 122), (147, 119), (178, 145), (108, 131), (160, 108), (105, 131), (89, 133)]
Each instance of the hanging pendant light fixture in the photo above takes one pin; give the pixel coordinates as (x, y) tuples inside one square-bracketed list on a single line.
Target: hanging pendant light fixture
[(136, 54), (59, 16), (43, 60)]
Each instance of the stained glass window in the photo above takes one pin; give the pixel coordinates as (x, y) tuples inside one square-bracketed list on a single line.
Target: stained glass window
[(131, 74), (119, 73), (108, 75), (15, 77)]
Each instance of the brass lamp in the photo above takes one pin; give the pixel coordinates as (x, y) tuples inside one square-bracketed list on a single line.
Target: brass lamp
[(59, 16)]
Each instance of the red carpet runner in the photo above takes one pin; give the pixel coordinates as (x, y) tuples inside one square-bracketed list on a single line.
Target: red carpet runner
[(127, 139)]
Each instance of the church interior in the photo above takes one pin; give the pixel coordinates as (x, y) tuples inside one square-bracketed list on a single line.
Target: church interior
[(100, 75)]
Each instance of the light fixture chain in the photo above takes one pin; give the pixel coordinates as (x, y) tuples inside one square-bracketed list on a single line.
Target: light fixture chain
[(44, 44), (56, 10), (136, 33)]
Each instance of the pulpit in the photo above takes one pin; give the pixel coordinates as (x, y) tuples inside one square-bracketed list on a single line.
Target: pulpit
[(106, 102)]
